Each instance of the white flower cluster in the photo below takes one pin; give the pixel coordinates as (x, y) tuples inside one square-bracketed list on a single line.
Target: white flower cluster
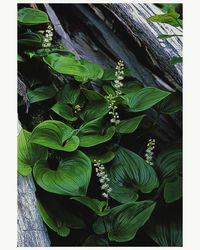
[(103, 178), (119, 73), (113, 108), (149, 151), (48, 37), (77, 108)]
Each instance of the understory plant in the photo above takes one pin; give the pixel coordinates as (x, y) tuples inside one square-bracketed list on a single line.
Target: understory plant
[(103, 174)]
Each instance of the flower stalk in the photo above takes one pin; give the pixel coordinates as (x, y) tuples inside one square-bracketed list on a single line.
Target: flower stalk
[(149, 151)]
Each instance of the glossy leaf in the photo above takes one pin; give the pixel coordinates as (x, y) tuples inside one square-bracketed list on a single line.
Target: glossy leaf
[(130, 125), (72, 176), (94, 133), (169, 162), (28, 153), (64, 111), (123, 222), (31, 39), (97, 206), (69, 94), (173, 190), (171, 104), (175, 60), (95, 240), (131, 87), (171, 18), (145, 98), (55, 135), (41, 93), (56, 224), (104, 157), (30, 16), (129, 174)]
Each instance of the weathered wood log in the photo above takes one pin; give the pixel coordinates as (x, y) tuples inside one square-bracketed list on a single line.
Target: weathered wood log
[(31, 232), (134, 18)]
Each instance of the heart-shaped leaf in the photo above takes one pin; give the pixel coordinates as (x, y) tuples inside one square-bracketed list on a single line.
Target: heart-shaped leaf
[(173, 190), (31, 39), (94, 133), (123, 222), (130, 125), (95, 240), (28, 153), (144, 98), (72, 176), (99, 207), (55, 135), (129, 174), (104, 157), (30, 16), (40, 94), (69, 94), (64, 111), (169, 162)]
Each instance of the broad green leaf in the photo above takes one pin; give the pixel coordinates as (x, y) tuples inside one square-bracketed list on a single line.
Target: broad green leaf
[(108, 74), (92, 95), (69, 94), (95, 240), (131, 87), (129, 174), (145, 98), (20, 58), (72, 176), (167, 8), (171, 18), (169, 162), (95, 132), (104, 157), (82, 70), (109, 90), (42, 52), (64, 111), (130, 125), (173, 190), (176, 59), (55, 135), (56, 224), (171, 104), (166, 36), (30, 16), (31, 39), (165, 230), (28, 153), (123, 222), (41, 93), (97, 206)]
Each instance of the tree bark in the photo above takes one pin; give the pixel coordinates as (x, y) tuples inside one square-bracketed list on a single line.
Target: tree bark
[(31, 232)]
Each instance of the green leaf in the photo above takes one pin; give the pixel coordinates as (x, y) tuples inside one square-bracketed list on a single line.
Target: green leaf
[(166, 230), (94, 133), (31, 39), (123, 222), (55, 135), (28, 153), (176, 59), (173, 190), (129, 174), (69, 94), (72, 176), (171, 18), (64, 111), (169, 162), (82, 70), (99, 207), (104, 158), (20, 58), (40, 94), (130, 125), (145, 98), (30, 16), (171, 104), (95, 240), (108, 74), (55, 224), (109, 90), (131, 87), (166, 36)]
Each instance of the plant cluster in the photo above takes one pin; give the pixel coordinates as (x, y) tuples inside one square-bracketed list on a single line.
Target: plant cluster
[(89, 180)]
